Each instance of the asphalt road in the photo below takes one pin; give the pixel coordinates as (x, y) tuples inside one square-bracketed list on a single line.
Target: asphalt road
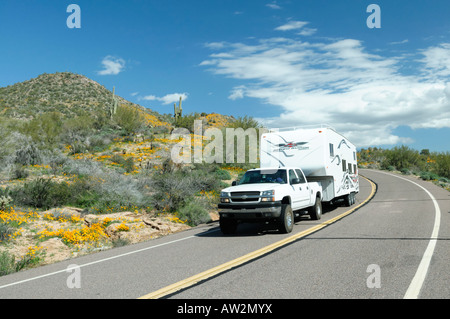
[(395, 246)]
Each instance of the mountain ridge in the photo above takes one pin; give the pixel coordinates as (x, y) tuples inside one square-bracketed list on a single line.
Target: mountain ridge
[(64, 92)]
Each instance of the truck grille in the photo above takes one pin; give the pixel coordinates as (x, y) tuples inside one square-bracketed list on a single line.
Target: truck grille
[(245, 196)]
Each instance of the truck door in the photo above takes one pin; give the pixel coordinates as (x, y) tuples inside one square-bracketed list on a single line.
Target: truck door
[(303, 189), (300, 192)]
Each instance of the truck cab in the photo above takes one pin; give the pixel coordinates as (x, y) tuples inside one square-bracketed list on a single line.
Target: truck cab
[(269, 195)]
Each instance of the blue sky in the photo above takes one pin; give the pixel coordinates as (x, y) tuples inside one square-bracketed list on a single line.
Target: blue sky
[(286, 63)]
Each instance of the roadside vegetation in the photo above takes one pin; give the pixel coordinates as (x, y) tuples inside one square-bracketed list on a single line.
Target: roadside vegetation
[(429, 166), (98, 165)]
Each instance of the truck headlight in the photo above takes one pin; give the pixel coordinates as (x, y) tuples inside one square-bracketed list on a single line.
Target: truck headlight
[(268, 196), (224, 197)]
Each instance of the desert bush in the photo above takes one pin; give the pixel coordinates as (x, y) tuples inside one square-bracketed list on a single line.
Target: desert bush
[(5, 201), (187, 121), (45, 129), (28, 155), (97, 143), (128, 118), (101, 189), (223, 174), (428, 176), (194, 213), (171, 190), (42, 193), (6, 232), (7, 265), (77, 147), (245, 122), (18, 172), (442, 167), (127, 164), (401, 157), (173, 186)]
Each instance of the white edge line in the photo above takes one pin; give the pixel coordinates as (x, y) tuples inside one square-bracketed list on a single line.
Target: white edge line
[(419, 278), (70, 267)]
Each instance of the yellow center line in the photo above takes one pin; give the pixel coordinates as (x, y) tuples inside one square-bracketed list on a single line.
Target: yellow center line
[(250, 256)]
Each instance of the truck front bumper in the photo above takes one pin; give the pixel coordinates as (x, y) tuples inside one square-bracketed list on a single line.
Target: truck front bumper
[(250, 211)]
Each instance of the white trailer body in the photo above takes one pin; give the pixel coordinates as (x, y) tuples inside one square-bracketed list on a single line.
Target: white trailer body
[(323, 154)]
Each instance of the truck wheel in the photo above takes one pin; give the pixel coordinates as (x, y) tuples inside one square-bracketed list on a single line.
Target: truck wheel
[(315, 212), (228, 226), (286, 219)]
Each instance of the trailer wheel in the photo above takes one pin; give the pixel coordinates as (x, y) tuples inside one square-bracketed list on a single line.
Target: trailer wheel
[(350, 199), (286, 219), (228, 226), (315, 212)]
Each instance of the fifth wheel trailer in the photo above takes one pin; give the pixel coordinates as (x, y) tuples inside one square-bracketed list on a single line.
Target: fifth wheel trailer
[(324, 155)]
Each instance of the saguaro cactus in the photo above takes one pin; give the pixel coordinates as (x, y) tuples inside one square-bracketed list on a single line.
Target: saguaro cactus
[(178, 111), (114, 103)]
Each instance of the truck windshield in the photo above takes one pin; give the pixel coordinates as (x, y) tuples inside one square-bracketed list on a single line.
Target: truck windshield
[(261, 176)]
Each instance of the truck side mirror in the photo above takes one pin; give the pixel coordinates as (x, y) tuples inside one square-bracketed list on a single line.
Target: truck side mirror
[(295, 181), (233, 183)]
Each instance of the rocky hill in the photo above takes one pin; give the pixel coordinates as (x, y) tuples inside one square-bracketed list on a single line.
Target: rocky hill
[(73, 95), (67, 93)]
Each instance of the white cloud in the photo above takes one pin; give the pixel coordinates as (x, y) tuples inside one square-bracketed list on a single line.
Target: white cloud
[(307, 31), (364, 95), (172, 98), (399, 42), (292, 25), (166, 99), (148, 98), (112, 65), (437, 60), (273, 5), (237, 93)]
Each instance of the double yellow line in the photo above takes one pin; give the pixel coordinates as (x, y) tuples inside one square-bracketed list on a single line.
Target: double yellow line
[(253, 255)]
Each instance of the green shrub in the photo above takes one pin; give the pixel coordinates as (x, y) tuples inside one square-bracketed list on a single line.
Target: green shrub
[(401, 157), (428, 176), (223, 174), (5, 201), (245, 123), (128, 165), (194, 214), (405, 171), (7, 265), (171, 191), (28, 155), (443, 165), (42, 193), (5, 232), (19, 172), (128, 118)]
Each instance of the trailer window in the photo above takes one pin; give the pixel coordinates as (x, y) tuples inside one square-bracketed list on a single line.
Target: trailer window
[(350, 168), (344, 165), (331, 150)]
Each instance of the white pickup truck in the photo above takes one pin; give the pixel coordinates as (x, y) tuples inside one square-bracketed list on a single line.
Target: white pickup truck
[(269, 195)]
